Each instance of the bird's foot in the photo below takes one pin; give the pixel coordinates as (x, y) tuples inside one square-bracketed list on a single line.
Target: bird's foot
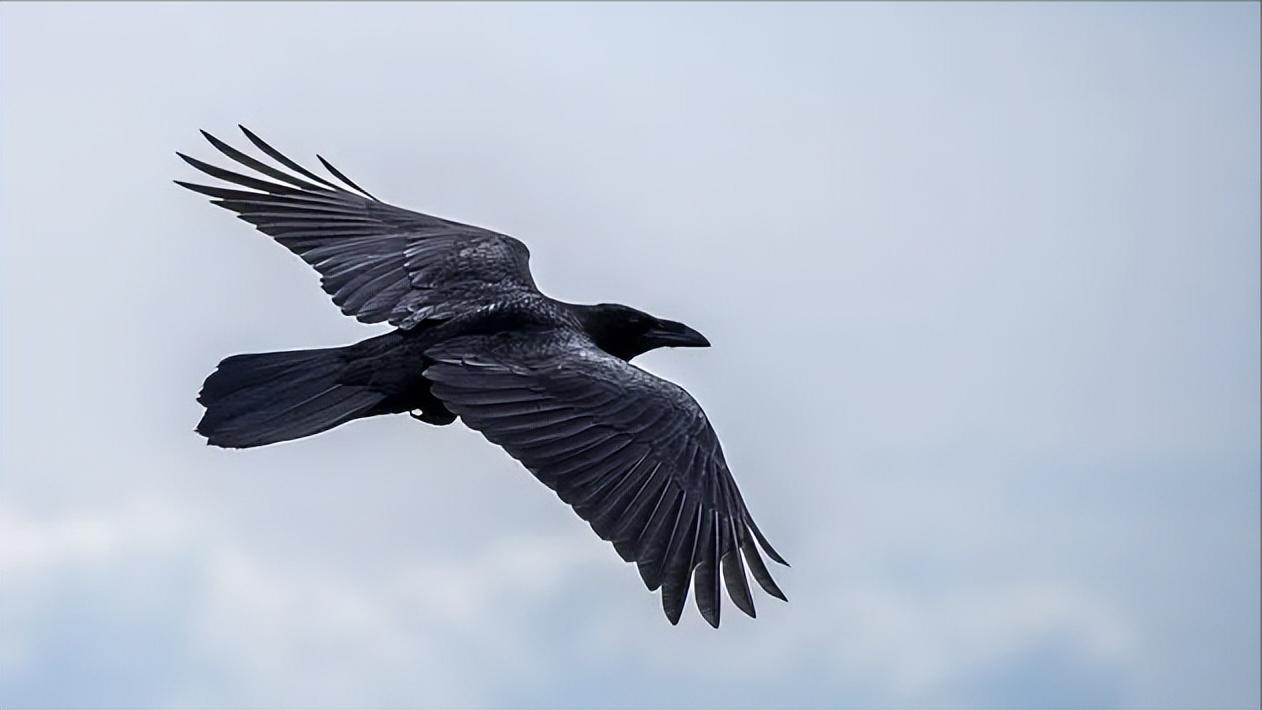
[(440, 417)]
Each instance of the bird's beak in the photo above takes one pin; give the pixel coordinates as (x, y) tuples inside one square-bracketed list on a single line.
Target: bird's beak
[(671, 334)]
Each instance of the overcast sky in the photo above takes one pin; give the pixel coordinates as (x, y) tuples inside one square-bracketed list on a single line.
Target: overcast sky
[(982, 283)]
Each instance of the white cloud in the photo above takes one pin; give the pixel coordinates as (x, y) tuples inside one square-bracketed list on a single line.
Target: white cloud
[(982, 283)]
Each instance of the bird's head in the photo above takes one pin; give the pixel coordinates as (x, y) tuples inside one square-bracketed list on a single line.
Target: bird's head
[(625, 332)]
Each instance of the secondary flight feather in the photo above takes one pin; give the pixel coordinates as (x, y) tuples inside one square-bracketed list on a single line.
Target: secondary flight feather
[(550, 382)]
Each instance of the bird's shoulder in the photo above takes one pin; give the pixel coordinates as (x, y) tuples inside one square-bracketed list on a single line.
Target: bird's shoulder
[(525, 320)]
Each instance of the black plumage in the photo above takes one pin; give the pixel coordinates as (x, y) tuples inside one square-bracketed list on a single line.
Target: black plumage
[(550, 382)]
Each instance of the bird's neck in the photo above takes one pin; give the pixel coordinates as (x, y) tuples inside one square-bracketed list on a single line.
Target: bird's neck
[(609, 334)]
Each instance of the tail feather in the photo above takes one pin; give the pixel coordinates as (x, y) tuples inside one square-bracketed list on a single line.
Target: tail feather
[(265, 398), (240, 372)]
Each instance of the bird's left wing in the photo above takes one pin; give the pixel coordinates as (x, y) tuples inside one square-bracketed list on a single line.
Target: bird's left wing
[(378, 262), (632, 453)]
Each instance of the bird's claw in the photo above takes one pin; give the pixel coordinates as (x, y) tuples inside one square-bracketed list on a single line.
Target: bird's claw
[(438, 418)]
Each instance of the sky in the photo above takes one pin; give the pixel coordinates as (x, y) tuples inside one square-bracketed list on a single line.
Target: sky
[(982, 283)]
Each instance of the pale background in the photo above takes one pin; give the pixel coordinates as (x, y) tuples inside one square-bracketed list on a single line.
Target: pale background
[(983, 287)]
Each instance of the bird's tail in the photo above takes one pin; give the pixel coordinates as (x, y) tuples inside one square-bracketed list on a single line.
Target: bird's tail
[(265, 398)]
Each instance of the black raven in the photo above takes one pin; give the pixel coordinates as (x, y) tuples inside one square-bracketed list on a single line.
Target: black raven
[(548, 381)]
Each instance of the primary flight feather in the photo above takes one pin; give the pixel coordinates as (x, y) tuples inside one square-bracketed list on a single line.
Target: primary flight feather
[(548, 381)]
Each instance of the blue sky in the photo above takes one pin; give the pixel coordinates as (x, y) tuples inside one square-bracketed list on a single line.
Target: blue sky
[(982, 282)]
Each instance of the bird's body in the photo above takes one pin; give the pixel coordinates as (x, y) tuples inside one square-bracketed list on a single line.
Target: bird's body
[(549, 381)]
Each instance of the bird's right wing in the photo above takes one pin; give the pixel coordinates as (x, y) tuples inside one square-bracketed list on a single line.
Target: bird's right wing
[(377, 261), (632, 453)]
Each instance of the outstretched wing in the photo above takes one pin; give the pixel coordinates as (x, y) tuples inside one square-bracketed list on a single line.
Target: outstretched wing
[(632, 453), (377, 261)]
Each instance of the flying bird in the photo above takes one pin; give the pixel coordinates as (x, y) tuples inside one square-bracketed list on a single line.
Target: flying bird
[(474, 338)]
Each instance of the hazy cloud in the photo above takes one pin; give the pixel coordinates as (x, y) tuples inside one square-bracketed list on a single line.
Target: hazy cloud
[(982, 282)]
